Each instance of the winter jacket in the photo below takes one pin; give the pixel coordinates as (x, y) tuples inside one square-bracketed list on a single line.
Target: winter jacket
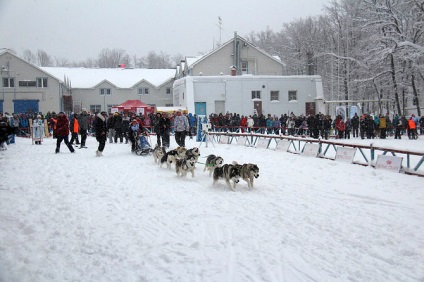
[(100, 126), (83, 122), (181, 123), (411, 124), (74, 125), (117, 122), (62, 126), (383, 123)]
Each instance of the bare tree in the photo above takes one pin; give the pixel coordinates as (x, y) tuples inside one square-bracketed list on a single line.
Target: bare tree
[(43, 59), (156, 61), (112, 58), (29, 56), (61, 62), (176, 60)]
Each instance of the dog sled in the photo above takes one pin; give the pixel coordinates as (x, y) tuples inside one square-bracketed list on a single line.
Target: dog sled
[(143, 147)]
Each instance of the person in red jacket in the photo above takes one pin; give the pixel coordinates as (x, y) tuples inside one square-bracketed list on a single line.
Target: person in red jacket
[(62, 132), (243, 124), (341, 128)]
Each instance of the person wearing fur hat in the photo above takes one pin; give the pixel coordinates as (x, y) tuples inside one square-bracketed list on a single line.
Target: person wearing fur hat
[(101, 132), (62, 132)]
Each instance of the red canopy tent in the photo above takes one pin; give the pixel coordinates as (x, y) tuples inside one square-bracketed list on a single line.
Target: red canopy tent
[(135, 106)]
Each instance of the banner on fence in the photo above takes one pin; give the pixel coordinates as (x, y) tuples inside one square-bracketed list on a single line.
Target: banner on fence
[(391, 163), (242, 140), (224, 139), (283, 145), (345, 154), (310, 150), (262, 143)]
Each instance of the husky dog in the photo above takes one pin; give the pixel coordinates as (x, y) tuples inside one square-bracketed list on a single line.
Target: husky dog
[(228, 172), (169, 158), (212, 162), (183, 166), (193, 152), (158, 153), (172, 156), (181, 152), (248, 173)]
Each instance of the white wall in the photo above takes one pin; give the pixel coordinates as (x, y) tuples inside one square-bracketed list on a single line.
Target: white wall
[(236, 92)]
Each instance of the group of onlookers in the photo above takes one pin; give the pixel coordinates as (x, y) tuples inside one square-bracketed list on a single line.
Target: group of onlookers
[(320, 125), (120, 126)]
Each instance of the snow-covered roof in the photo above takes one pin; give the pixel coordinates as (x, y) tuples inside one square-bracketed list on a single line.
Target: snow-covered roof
[(121, 78), (195, 60), (192, 60)]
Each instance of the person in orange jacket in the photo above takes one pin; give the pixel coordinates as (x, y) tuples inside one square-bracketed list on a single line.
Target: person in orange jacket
[(74, 128), (412, 129)]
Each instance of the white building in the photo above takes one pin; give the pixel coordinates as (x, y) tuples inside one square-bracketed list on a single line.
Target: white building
[(247, 94), (239, 77)]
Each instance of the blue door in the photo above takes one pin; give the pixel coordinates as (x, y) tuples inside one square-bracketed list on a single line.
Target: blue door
[(23, 106), (200, 108), (1, 106)]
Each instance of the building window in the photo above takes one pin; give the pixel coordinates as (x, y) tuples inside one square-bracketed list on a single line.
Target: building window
[(95, 109), (143, 91), (42, 82), (292, 95), (256, 94), (275, 95), (105, 91), (244, 67), (168, 90), (8, 82), (27, 83), (109, 107)]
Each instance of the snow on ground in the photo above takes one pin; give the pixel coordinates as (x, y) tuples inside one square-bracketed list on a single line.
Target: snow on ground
[(77, 217)]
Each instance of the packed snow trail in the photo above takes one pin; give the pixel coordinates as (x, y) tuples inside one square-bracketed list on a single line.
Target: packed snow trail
[(123, 218)]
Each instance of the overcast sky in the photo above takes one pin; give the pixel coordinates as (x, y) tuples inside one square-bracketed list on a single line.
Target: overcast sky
[(80, 29)]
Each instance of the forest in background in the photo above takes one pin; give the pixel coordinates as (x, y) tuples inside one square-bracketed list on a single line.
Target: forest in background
[(365, 50)]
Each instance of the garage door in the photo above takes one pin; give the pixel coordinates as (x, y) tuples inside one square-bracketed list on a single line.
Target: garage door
[(23, 106)]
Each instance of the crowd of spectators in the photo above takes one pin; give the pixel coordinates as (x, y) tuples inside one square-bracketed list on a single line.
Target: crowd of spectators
[(315, 126), (320, 125)]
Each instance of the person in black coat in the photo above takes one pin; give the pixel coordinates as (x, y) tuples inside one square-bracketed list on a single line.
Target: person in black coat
[(355, 125), (126, 120), (101, 132), (118, 128), (5, 131), (163, 128)]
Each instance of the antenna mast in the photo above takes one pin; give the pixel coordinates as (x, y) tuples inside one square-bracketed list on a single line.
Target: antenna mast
[(220, 28)]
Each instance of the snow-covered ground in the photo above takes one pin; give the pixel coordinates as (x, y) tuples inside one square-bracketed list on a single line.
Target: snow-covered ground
[(77, 217)]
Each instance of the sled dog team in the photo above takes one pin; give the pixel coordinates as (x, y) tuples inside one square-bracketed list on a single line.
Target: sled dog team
[(185, 160)]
